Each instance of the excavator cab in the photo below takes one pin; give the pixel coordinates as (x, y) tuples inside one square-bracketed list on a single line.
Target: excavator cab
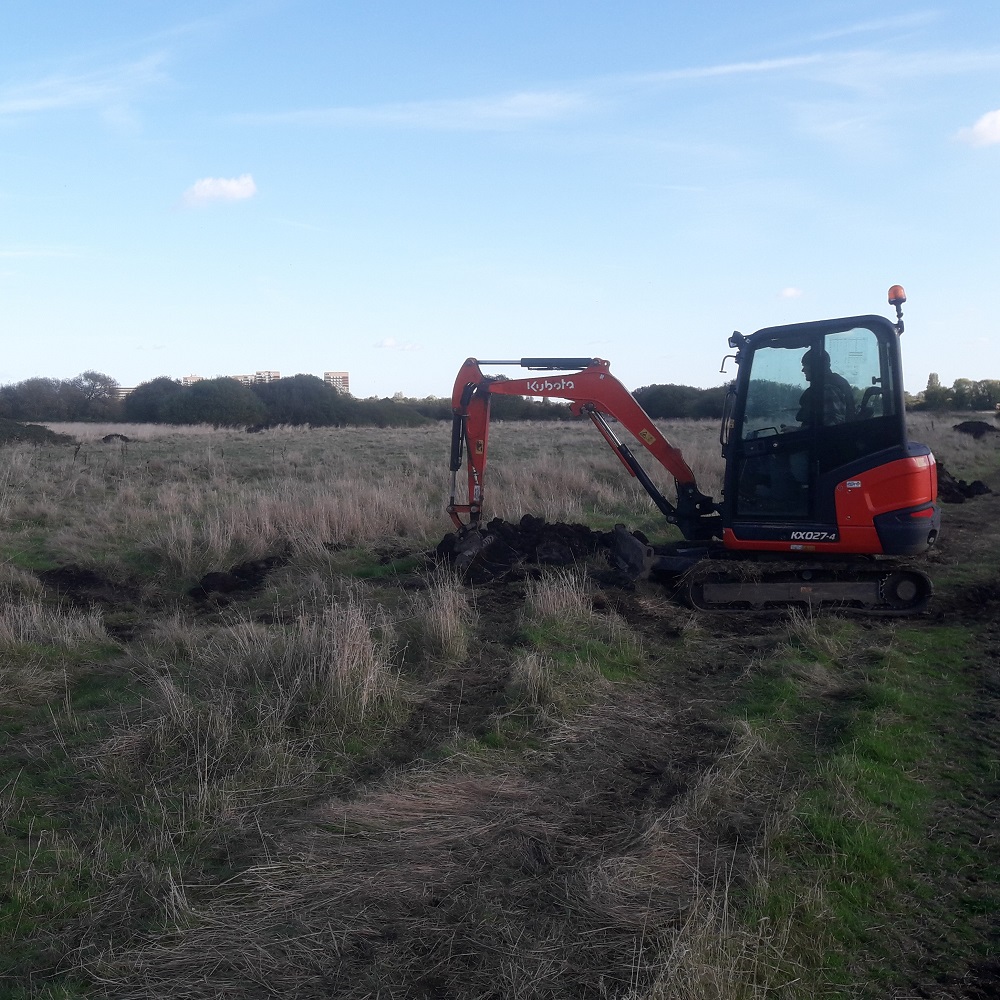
[(816, 448)]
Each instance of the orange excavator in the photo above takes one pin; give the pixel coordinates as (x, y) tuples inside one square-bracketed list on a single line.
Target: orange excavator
[(825, 498)]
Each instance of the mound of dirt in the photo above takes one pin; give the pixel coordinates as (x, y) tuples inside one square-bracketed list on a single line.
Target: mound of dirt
[(12, 432), (977, 428), (494, 550), (245, 577), (952, 490), (123, 608)]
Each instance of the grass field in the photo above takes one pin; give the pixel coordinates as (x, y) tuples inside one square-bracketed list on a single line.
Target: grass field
[(344, 773)]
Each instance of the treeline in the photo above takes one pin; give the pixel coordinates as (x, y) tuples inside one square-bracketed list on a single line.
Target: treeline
[(305, 399), (300, 399), (965, 394), (673, 402)]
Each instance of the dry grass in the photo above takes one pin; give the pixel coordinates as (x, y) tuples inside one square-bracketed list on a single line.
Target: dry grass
[(194, 500), (471, 883), (562, 596), (444, 617), (455, 882), (557, 689), (25, 622), (564, 472), (238, 716)]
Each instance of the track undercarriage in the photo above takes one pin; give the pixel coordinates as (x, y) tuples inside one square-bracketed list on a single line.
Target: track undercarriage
[(867, 586), (711, 578), (705, 576)]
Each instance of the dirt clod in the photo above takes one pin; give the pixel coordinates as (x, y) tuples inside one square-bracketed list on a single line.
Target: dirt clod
[(952, 490), (245, 577)]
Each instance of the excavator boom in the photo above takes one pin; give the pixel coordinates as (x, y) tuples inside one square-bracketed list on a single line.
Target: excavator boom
[(591, 389)]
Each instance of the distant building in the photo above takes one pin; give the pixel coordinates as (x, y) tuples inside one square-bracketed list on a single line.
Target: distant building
[(257, 378), (339, 380)]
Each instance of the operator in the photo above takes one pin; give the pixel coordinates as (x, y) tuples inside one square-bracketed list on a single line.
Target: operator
[(838, 396)]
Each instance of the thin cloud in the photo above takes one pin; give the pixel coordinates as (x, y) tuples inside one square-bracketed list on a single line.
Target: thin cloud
[(887, 26), (985, 132), (855, 71), (211, 189), (109, 88), (506, 111), (511, 111), (790, 293), (391, 344), (728, 69), (22, 252)]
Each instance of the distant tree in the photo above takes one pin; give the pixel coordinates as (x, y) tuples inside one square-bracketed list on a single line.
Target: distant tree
[(146, 403), (304, 399), (711, 402), (223, 402), (962, 393), (985, 394), (673, 401), (433, 407), (521, 408), (34, 399), (92, 396), (386, 413), (936, 396), (773, 399)]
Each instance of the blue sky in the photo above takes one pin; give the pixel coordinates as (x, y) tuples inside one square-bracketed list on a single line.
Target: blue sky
[(390, 187)]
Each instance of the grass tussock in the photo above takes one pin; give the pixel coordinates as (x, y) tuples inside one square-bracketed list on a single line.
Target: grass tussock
[(24, 622), (442, 619), (575, 650), (238, 718)]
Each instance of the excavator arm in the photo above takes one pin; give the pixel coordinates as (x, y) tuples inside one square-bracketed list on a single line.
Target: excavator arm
[(592, 390)]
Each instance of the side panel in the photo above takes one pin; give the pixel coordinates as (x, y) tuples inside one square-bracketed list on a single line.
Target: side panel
[(897, 501), (886, 510)]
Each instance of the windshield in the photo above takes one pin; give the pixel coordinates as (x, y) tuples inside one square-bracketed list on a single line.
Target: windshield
[(821, 382)]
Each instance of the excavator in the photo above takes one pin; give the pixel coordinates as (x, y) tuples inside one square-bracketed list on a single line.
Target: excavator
[(826, 501)]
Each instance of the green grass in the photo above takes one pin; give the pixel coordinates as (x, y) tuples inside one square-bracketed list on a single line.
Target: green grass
[(875, 746), (616, 657), (29, 549)]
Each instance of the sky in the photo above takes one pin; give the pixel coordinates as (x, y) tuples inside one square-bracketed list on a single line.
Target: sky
[(387, 187)]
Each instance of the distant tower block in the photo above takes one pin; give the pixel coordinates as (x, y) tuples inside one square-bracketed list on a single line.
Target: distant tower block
[(258, 378), (339, 380)]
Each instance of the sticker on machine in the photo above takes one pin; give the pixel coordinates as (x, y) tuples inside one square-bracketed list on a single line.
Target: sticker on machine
[(813, 536)]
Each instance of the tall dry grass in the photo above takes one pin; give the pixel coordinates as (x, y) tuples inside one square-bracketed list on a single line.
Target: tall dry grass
[(444, 617), (195, 499)]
